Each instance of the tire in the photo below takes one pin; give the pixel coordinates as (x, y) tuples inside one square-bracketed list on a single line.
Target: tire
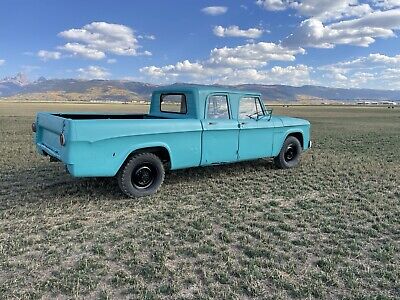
[(289, 157), (142, 175)]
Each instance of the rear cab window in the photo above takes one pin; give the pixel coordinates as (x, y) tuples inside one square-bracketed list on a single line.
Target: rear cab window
[(173, 103)]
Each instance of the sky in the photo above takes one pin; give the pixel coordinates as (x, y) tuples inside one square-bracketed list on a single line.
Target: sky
[(336, 43)]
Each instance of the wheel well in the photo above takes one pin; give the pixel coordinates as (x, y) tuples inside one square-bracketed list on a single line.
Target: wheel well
[(161, 152), (299, 136)]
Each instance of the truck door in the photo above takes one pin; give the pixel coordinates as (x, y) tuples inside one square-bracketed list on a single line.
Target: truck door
[(220, 132), (256, 130)]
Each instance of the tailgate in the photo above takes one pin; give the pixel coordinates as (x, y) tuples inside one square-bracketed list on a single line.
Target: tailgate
[(49, 128)]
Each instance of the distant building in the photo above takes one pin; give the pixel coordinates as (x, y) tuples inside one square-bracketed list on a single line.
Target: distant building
[(388, 103), (383, 102)]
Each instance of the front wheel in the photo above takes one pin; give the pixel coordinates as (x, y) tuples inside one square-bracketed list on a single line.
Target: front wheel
[(289, 156), (141, 176)]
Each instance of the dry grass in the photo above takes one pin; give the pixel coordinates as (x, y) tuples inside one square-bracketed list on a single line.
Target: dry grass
[(327, 229)]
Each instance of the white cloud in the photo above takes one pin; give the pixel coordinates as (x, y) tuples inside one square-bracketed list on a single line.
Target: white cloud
[(252, 55), (389, 19), (83, 51), (241, 64), (154, 71), (329, 23), (386, 4), (373, 71), (320, 9), (391, 77), (2, 62), (184, 68), (292, 75), (47, 55), (111, 61), (195, 72), (235, 31), (215, 10), (384, 59), (273, 4), (147, 37), (360, 32), (223, 60), (145, 53), (96, 39), (93, 72), (372, 61), (339, 77), (331, 10)]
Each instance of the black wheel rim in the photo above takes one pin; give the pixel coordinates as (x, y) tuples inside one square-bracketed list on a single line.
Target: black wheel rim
[(290, 153), (143, 176)]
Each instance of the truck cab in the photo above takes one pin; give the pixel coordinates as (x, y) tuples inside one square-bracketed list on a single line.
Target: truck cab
[(187, 126)]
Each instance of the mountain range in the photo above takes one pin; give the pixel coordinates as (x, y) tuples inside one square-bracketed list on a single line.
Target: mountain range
[(19, 88)]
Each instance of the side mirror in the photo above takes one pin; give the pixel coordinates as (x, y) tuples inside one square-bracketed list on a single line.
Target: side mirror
[(269, 111)]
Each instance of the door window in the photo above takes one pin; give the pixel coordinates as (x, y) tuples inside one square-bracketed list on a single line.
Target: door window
[(250, 107), (217, 107)]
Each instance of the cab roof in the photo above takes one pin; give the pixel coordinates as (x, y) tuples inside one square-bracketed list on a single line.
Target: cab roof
[(203, 89)]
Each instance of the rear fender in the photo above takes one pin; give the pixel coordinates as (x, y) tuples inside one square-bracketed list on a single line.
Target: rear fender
[(146, 146)]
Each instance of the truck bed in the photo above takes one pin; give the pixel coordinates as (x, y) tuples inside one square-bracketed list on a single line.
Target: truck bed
[(78, 116), (98, 144)]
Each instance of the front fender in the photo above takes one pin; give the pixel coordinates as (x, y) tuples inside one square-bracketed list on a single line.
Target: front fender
[(282, 133)]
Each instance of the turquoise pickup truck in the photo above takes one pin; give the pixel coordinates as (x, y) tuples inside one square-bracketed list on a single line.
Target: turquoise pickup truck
[(187, 126)]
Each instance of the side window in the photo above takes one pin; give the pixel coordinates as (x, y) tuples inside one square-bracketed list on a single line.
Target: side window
[(173, 103), (250, 107), (217, 107)]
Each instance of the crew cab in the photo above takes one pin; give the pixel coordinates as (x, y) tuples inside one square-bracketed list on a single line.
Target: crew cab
[(187, 126)]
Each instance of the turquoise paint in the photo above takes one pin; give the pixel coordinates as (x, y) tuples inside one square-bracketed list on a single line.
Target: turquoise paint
[(98, 147), (220, 141)]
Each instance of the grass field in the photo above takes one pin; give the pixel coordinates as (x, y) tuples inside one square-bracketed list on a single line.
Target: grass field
[(329, 229)]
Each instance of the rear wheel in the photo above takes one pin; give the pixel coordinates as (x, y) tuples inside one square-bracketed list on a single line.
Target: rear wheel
[(289, 156), (142, 175)]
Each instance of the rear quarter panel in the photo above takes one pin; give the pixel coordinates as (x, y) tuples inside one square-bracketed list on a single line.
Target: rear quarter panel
[(100, 147)]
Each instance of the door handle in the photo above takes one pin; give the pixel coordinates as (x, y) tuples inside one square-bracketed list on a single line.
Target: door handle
[(212, 123)]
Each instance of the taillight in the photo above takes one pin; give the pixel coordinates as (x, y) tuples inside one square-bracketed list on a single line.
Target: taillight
[(62, 139)]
